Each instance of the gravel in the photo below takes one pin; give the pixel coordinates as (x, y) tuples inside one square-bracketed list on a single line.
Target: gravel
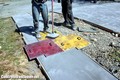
[(104, 47)]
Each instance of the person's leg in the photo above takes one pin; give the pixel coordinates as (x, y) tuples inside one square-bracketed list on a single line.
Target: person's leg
[(64, 10), (35, 14), (70, 17), (44, 12)]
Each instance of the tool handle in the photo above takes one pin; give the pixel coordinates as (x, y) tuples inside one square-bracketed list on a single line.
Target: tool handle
[(52, 16)]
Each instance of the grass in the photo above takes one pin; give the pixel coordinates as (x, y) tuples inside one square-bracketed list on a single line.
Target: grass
[(10, 46), (13, 60)]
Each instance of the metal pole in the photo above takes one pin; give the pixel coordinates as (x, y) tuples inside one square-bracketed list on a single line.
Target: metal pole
[(52, 17)]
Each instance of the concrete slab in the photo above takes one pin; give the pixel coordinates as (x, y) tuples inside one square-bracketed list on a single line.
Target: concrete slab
[(24, 23), (106, 15), (25, 26), (73, 65)]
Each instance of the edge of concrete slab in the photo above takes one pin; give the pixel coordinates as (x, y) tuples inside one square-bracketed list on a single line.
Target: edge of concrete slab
[(24, 34), (99, 26), (94, 24), (47, 74), (43, 68)]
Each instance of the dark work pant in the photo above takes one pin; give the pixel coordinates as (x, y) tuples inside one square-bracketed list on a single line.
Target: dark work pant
[(67, 11), (36, 9)]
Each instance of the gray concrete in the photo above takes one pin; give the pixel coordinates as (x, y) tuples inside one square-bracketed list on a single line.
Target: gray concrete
[(25, 25), (73, 65), (117, 0), (10, 8), (106, 15)]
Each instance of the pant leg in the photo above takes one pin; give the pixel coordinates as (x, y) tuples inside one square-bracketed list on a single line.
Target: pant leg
[(64, 10), (35, 14), (70, 17), (44, 12)]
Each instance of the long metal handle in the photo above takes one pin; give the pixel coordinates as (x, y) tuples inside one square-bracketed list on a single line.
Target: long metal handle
[(52, 17)]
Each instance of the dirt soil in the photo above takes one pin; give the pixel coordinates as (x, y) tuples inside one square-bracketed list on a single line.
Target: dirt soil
[(104, 47)]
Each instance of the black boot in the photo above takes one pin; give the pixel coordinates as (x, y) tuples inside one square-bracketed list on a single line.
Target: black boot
[(46, 29), (66, 24), (73, 27)]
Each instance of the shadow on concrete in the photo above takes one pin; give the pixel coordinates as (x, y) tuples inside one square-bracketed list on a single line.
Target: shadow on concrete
[(56, 23), (50, 22), (26, 29), (60, 24)]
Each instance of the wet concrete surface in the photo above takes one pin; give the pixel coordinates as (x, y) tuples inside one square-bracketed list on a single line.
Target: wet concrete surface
[(73, 64)]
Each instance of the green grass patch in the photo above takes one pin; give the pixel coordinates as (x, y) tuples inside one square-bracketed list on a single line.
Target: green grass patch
[(11, 46), (13, 60)]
